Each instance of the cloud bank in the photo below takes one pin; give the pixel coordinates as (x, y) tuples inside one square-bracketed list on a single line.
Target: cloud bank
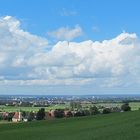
[(25, 59), (66, 33)]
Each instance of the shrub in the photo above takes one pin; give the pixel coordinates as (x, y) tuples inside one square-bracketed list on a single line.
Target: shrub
[(94, 110), (126, 107), (59, 113), (40, 114), (86, 112), (106, 110), (69, 114)]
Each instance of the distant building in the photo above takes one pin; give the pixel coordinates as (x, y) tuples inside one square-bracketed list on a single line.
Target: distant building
[(68, 113), (48, 115), (4, 114), (17, 117), (51, 113), (25, 120)]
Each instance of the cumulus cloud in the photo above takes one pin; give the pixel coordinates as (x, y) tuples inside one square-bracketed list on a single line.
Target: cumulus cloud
[(16, 47), (66, 33), (25, 60)]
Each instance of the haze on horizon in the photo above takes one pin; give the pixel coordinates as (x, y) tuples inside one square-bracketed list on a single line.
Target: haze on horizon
[(74, 47)]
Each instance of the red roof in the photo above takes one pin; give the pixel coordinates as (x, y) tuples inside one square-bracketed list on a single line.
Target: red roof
[(16, 115)]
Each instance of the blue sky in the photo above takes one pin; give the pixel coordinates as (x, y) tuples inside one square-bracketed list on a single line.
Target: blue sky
[(109, 17), (69, 46)]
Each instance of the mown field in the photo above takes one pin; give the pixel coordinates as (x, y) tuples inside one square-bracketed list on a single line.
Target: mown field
[(116, 126)]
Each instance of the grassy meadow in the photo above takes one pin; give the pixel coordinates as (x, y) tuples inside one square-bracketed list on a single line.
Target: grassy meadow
[(115, 126)]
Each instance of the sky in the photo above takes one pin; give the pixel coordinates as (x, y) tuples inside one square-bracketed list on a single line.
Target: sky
[(69, 47)]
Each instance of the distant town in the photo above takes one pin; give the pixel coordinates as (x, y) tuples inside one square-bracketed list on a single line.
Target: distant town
[(22, 108)]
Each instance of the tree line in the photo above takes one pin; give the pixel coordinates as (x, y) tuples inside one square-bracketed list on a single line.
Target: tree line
[(75, 111)]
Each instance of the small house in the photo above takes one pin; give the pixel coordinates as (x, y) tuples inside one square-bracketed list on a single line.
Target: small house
[(17, 117)]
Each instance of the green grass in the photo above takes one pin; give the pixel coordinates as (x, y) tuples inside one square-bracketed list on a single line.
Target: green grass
[(16, 108), (133, 105), (116, 126)]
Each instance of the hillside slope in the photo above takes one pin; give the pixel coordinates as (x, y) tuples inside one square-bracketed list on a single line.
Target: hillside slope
[(117, 126)]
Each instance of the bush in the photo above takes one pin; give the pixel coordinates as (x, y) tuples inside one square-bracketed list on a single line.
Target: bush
[(10, 116), (93, 110), (59, 113), (125, 107), (79, 113), (86, 112), (30, 116), (40, 114), (74, 105), (69, 114), (106, 110)]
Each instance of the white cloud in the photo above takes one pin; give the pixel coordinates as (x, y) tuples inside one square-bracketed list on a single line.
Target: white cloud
[(16, 47), (66, 33), (25, 61)]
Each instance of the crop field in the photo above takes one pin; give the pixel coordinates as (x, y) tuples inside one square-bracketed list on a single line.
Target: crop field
[(115, 126)]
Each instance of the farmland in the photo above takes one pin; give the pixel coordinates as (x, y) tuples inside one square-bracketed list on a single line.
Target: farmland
[(17, 108), (133, 105), (116, 126)]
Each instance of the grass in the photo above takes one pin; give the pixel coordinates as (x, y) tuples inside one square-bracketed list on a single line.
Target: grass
[(116, 126), (133, 105), (16, 108)]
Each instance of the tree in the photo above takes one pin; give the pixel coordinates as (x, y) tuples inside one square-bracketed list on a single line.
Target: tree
[(93, 110), (79, 113), (78, 105), (24, 114), (86, 112), (116, 109), (106, 110), (10, 116), (40, 114), (126, 107), (59, 113), (31, 116), (68, 114), (74, 105)]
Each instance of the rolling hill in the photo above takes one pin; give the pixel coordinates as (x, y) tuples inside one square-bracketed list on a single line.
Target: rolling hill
[(116, 126)]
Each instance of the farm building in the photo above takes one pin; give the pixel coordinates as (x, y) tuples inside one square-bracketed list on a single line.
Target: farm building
[(17, 117)]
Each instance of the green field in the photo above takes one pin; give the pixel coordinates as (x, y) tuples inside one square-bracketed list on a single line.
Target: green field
[(115, 126), (16, 108), (134, 106)]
